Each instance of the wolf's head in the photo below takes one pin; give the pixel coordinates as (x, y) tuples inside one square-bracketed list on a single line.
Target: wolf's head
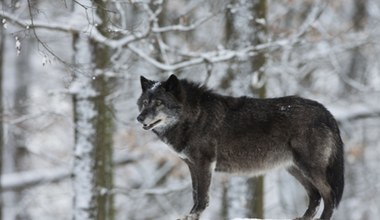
[(160, 103)]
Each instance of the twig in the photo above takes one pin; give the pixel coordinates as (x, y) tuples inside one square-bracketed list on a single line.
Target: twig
[(36, 36)]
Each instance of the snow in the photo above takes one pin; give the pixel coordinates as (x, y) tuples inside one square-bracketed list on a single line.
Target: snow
[(4, 22), (260, 21), (155, 85)]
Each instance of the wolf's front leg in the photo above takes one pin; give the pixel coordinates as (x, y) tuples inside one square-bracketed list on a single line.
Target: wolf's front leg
[(201, 173)]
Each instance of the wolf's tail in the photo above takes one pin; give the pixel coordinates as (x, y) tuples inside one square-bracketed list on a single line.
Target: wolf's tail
[(335, 172)]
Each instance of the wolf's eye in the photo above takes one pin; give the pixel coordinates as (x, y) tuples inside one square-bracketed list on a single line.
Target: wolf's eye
[(158, 103), (145, 102)]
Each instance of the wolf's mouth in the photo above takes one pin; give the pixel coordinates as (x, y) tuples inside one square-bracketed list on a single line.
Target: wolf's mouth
[(150, 126)]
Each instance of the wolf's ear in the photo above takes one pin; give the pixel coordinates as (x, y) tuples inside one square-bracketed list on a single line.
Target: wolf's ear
[(173, 86), (146, 83), (172, 83)]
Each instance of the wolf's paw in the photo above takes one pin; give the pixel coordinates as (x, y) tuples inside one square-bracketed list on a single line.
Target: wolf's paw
[(190, 217)]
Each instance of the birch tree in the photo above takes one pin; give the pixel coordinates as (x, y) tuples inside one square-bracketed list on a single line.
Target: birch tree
[(84, 176)]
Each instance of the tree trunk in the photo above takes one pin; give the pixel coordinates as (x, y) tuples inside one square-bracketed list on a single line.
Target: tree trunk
[(104, 120), (15, 93), (245, 196), (16, 133), (357, 66), (1, 113), (84, 177), (258, 88), (259, 36), (93, 169)]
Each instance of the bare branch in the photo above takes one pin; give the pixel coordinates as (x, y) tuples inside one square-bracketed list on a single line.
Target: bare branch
[(313, 16), (27, 24)]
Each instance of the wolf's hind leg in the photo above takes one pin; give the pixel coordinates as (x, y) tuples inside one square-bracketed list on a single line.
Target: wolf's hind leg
[(312, 192), (324, 188)]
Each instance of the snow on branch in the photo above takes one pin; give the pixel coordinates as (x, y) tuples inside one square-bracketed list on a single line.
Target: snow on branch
[(205, 57), (209, 57), (27, 24), (354, 112), (92, 33), (22, 180)]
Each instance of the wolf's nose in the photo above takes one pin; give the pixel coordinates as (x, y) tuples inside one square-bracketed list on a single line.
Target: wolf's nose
[(140, 118)]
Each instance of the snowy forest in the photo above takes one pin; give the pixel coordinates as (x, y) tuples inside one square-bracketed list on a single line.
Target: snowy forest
[(70, 144)]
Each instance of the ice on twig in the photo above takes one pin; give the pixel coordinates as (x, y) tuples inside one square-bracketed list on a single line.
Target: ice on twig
[(4, 22), (260, 21), (18, 45), (44, 60)]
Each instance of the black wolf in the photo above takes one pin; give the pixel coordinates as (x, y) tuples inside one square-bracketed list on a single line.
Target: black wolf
[(246, 135)]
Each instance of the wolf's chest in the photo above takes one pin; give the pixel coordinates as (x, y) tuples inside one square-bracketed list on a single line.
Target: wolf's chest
[(180, 152)]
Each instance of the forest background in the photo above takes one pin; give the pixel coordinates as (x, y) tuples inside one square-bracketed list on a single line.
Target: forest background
[(70, 145)]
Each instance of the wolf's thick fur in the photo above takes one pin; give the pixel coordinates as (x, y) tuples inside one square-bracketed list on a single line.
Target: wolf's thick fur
[(246, 135)]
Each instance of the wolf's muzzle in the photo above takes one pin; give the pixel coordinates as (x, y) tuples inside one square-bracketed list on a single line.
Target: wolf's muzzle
[(140, 118)]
